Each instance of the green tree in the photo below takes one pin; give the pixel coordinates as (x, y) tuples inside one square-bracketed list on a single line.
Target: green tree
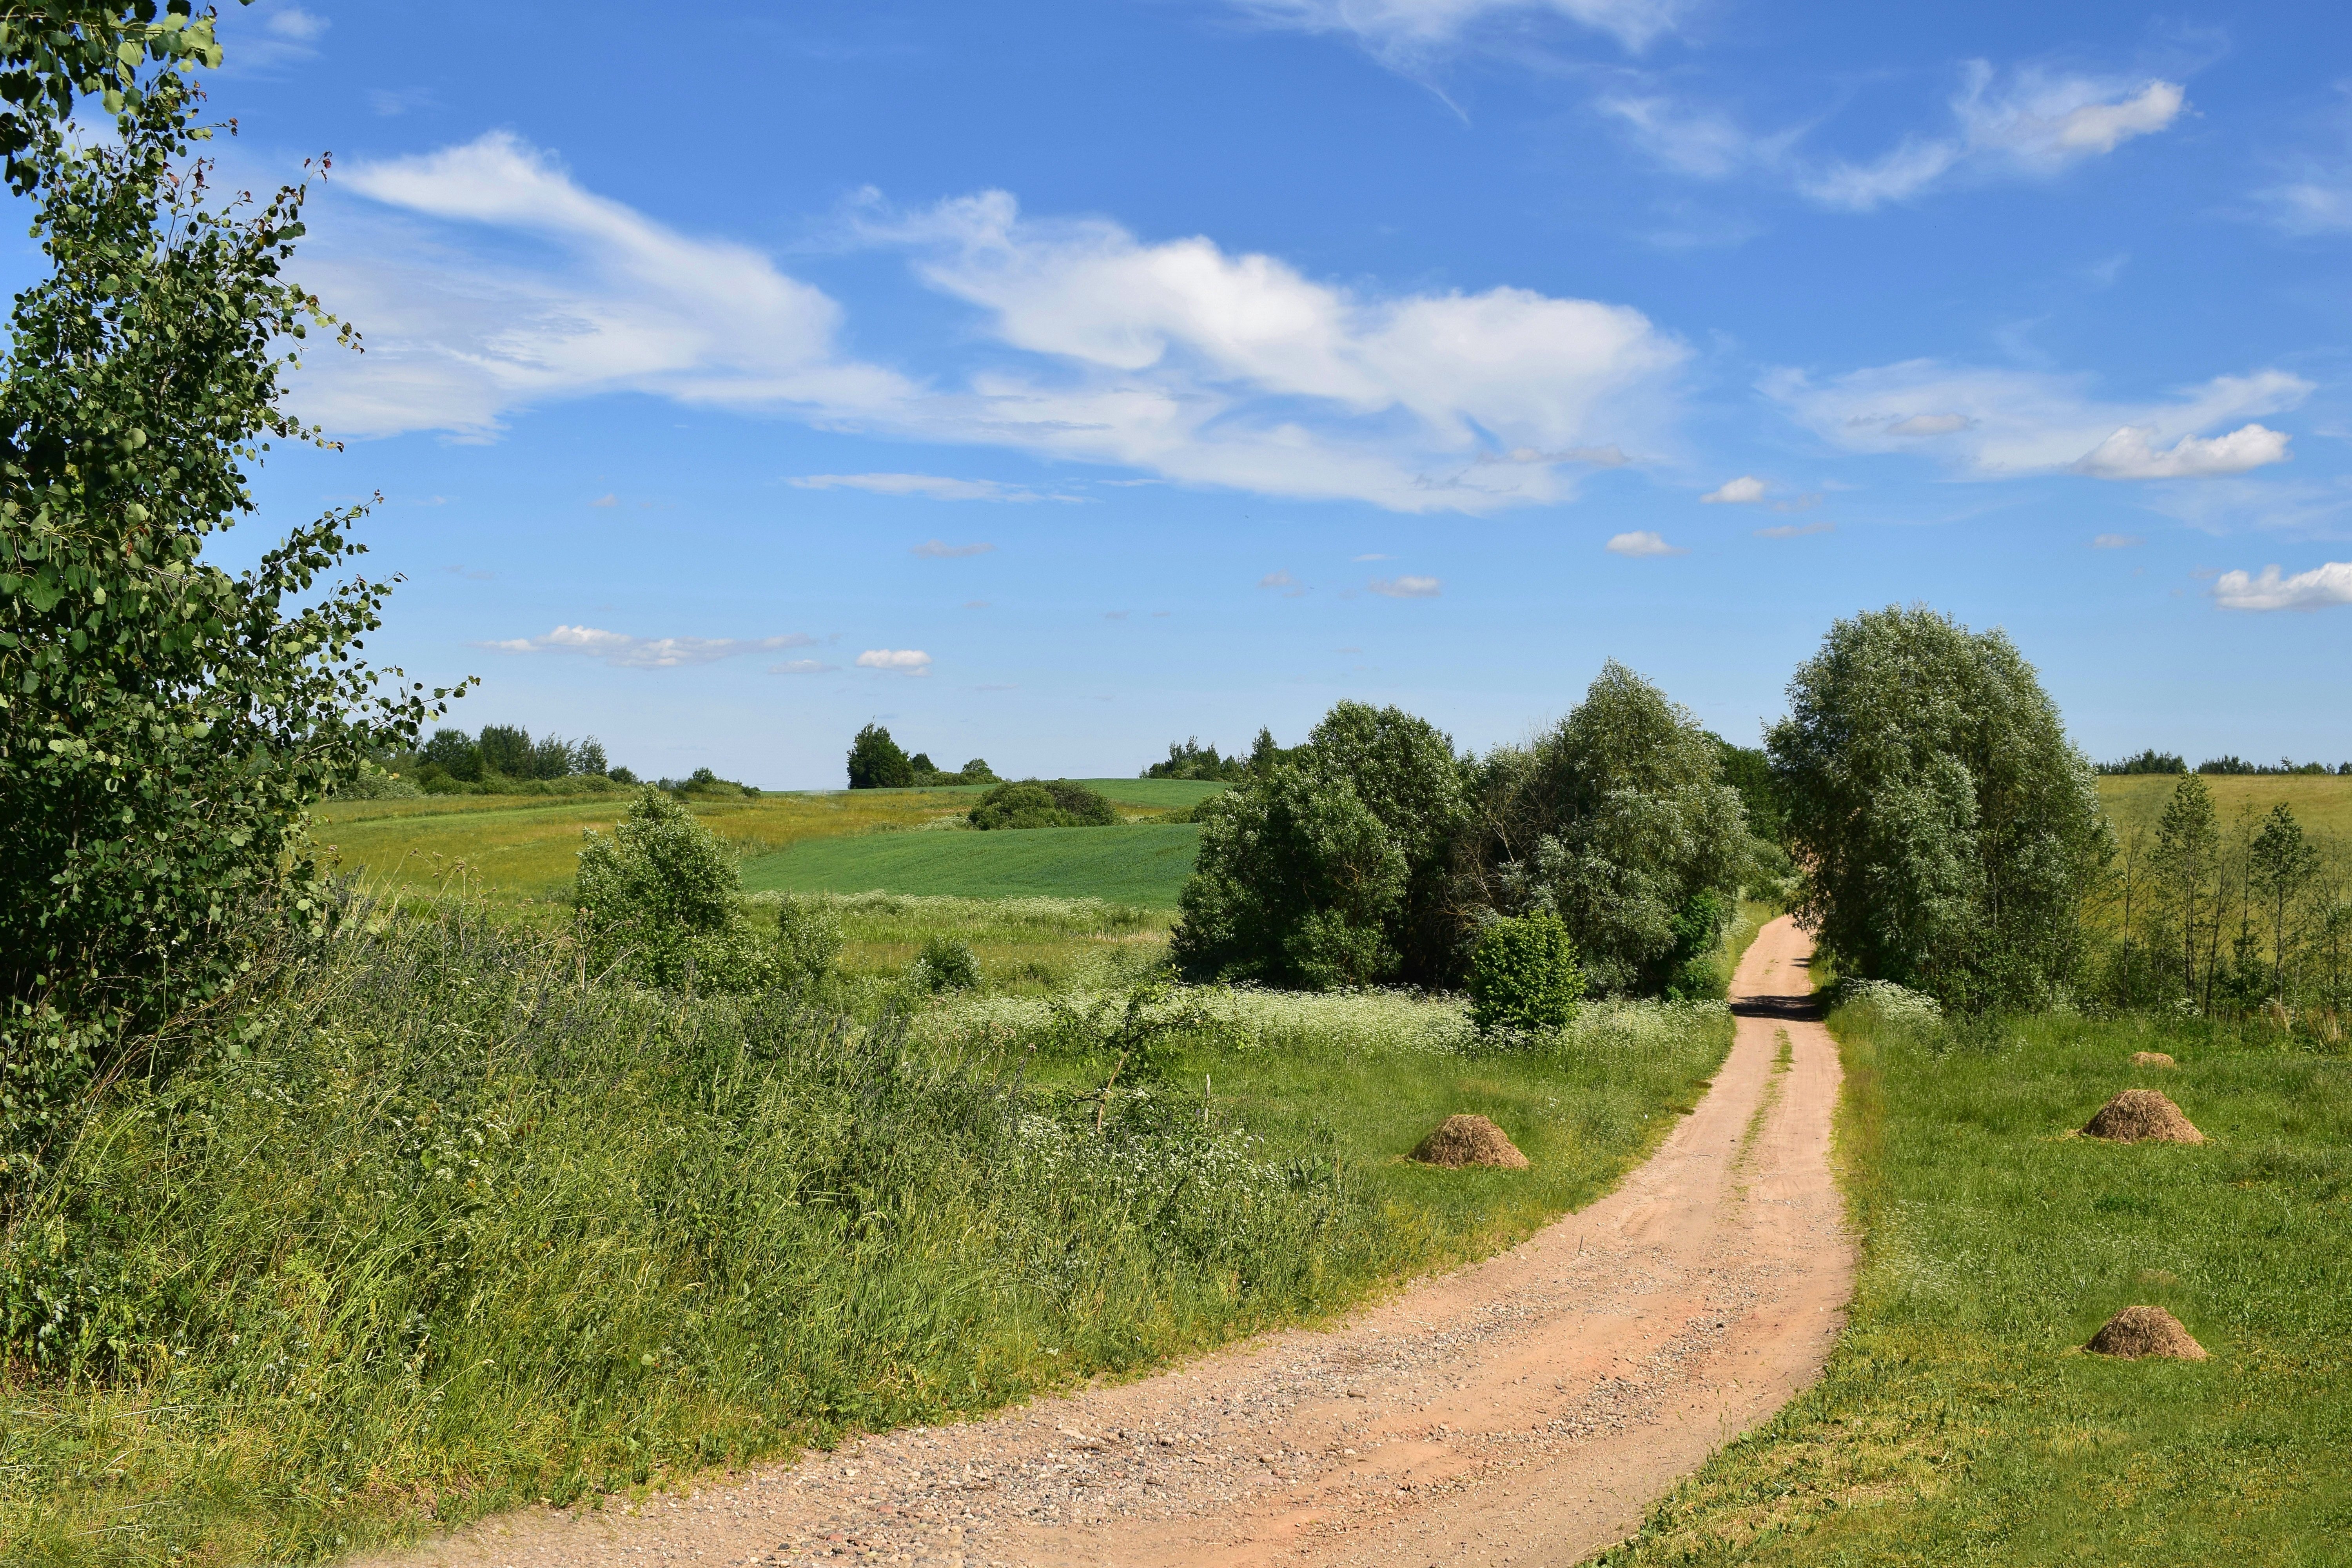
[(1620, 821), (506, 751), (164, 722), (1946, 829), (1057, 803), (876, 762), (2282, 866), (1523, 975), (2186, 864), (1332, 867), (660, 901)]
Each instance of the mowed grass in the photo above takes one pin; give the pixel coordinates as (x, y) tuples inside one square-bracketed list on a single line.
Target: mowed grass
[(1025, 946), (1959, 1421), (1142, 864), (2320, 802)]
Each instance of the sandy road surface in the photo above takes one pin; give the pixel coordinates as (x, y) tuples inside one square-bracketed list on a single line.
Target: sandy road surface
[(1525, 1410)]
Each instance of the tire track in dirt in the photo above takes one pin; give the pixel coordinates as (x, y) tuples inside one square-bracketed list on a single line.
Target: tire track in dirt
[(1523, 1410)]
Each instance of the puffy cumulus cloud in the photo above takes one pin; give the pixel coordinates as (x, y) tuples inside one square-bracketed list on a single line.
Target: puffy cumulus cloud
[(628, 652), (1641, 542), (1744, 491), (1238, 371), (1997, 424), (2131, 453), (2316, 589), (931, 487), (1405, 32), (1406, 587), (2027, 122), (491, 282), (902, 660)]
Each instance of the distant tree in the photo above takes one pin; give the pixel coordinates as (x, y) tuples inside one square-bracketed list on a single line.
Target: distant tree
[(551, 758), (976, 772), (2186, 862), (1332, 867), (1946, 829), (1620, 821), (2150, 760), (1749, 769), (506, 751), (454, 752), (2227, 765), (921, 767), (2281, 867), (588, 757), (1190, 760), (620, 775), (876, 762)]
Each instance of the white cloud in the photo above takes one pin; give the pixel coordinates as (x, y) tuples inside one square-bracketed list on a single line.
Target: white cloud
[(1406, 587), (1641, 543), (932, 486), (904, 660), (1404, 31), (1279, 580), (1745, 489), (1374, 556), (2318, 588), (527, 290), (1703, 142), (1795, 531), (939, 550), (502, 284), (607, 499), (2131, 453), (2003, 423), (626, 652), (295, 26), (2030, 123), (2116, 541), (802, 666)]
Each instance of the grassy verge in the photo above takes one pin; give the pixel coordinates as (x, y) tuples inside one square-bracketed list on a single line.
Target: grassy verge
[(1144, 864), (445, 1230), (1959, 1422)]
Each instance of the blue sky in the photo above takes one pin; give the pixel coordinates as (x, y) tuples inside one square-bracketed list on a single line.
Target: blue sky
[(1059, 380)]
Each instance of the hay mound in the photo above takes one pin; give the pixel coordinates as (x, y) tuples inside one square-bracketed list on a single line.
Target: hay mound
[(1462, 1141), (2137, 1331), (2152, 1059), (2141, 1116)]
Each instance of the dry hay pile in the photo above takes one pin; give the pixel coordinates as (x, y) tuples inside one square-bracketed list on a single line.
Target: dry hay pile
[(2152, 1059), (1462, 1141), (2141, 1116), (2140, 1331)]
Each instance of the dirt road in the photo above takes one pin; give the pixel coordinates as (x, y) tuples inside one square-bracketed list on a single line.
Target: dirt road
[(1526, 1410)]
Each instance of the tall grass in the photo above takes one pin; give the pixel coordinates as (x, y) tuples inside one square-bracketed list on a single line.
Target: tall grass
[(445, 1225)]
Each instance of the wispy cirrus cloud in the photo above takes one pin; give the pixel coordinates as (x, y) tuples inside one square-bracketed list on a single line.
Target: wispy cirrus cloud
[(2117, 541), (802, 666), (2320, 588), (1406, 587), (931, 487), (1796, 530), (2000, 423), (1408, 32), (940, 550), (626, 652)]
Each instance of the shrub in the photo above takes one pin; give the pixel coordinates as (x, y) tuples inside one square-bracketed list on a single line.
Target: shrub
[(1056, 803), (373, 782), (1190, 760), (946, 963), (660, 902), (876, 762), (1523, 975), (808, 939)]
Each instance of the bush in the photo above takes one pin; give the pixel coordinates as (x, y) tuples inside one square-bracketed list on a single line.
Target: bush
[(661, 904), (373, 782), (1523, 975), (876, 762), (808, 939), (946, 963), (1056, 803)]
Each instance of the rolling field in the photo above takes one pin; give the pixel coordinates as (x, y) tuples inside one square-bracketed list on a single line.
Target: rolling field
[(2323, 803), (526, 845), (1146, 864)]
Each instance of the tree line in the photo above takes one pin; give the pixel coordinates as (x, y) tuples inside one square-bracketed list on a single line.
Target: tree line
[(2152, 761)]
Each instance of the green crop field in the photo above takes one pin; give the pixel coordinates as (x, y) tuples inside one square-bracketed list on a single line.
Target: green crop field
[(1145, 864), (2322, 803)]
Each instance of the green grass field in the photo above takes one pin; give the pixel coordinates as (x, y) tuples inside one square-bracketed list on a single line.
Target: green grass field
[(1959, 1421), (1145, 864), (2321, 803)]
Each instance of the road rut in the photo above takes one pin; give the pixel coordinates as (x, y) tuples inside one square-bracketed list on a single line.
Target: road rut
[(1523, 1410)]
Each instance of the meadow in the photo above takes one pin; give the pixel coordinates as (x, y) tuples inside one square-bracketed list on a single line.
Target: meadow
[(1144, 864), (447, 1228), (1959, 1421), (2321, 802)]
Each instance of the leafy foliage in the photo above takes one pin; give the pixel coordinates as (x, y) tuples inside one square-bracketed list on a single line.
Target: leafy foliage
[(1188, 759), (162, 723), (1947, 830), (660, 902), (1055, 802), (1620, 822), (946, 963), (1331, 868), (876, 762), (1523, 975), (808, 942)]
